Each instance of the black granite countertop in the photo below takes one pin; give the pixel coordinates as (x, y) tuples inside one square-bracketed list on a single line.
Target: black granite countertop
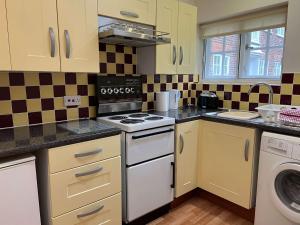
[(190, 113), (22, 140)]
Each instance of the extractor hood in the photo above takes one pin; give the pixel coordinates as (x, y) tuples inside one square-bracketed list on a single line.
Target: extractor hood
[(119, 32)]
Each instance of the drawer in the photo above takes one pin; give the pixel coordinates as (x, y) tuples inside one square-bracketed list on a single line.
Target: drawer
[(75, 155), (106, 211), (72, 189)]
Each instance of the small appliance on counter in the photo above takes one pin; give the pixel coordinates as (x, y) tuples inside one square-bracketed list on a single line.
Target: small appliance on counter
[(208, 100), (174, 96), (162, 101)]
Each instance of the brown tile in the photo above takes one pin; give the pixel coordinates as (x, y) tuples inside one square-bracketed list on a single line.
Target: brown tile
[(276, 89), (221, 104), (169, 78), (150, 88), (174, 85), (92, 101), (252, 106), (263, 98), (244, 97), (102, 47), (33, 92), (180, 78), (144, 79), (120, 48), (220, 87), (163, 87), (60, 115), (296, 89), (235, 105), (193, 101), (286, 99), (133, 50), (92, 78), (111, 57), (84, 112), (156, 78), (45, 78), (185, 101), (70, 78), (287, 78), (47, 104), (236, 88), (185, 86), (206, 87), (150, 105), (82, 90), (191, 77), (128, 59), (134, 69), (59, 90), (120, 68), (227, 95), (4, 93), (19, 106), (193, 86), (35, 117), (6, 121), (16, 79)]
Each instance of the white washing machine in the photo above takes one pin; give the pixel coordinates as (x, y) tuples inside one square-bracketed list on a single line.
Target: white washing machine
[(278, 190)]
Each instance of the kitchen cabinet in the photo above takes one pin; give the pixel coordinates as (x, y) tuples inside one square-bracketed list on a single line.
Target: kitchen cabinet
[(186, 157), (86, 189), (78, 35), (227, 162), (38, 28), (140, 11), (179, 57), (4, 47)]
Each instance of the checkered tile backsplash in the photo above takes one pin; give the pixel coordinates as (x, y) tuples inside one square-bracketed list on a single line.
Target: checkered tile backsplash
[(33, 98)]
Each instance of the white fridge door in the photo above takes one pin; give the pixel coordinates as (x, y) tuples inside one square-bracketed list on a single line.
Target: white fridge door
[(149, 186), (19, 204)]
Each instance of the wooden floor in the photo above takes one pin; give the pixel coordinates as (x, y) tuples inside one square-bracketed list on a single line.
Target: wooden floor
[(201, 212)]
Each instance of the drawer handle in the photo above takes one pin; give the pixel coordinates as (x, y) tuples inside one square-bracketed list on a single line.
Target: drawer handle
[(246, 150), (129, 14), (90, 172), (91, 212), (85, 154)]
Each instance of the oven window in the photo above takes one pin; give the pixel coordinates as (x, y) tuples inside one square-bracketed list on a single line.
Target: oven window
[(287, 186)]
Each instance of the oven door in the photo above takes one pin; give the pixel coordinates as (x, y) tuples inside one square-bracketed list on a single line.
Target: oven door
[(149, 144), (150, 185)]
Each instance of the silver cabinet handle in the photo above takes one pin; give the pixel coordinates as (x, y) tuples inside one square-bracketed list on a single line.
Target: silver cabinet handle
[(52, 42), (174, 54), (84, 154), (94, 211), (68, 44), (90, 172), (182, 143), (181, 55), (129, 14), (246, 150)]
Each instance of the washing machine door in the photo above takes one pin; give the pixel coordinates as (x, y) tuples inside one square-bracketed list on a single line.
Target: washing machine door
[(285, 190)]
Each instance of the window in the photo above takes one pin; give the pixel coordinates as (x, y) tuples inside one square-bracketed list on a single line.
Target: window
[(250, 55)]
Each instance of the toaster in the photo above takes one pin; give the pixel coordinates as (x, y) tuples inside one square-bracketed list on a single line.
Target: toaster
[(208, 100)]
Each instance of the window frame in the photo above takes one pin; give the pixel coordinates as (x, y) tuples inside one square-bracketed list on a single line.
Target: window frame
[(241, 63)]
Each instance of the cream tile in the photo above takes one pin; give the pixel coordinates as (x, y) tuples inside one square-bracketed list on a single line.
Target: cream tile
[(5, 107), (20, 119), (46, 91), (34, 105), (48, 116), (4, 79), (18, 92)]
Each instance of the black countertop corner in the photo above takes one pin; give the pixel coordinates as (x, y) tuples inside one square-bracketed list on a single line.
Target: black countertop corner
[(191, 113), (22, 140)]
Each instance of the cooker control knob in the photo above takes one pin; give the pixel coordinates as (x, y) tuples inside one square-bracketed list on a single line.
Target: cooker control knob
[(116, 90), (121, 90), (132, 90), (103, 91), (127, 90), (109, 91)]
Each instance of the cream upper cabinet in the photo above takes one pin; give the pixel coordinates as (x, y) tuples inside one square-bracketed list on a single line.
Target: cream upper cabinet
[(78, 35), (140, 11), (226, 162), (167, 21), (187, 29), (4, 47), (33, 35), (186, 157)]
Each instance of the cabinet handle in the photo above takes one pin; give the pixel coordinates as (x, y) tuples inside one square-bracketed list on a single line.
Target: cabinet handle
[(173, 175), (174, 54), (90, 172), (84, 154), (129, 14), (246, 150), (91, 212), (181, 143), (181, 55), (68, 44), (52, 42)]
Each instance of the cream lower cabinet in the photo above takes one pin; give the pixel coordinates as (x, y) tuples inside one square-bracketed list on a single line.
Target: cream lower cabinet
[(140, 11), (226, 162), (187, 136), (4, 47), (86, 190)]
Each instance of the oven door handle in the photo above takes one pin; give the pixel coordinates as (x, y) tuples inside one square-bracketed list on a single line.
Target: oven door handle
[(173, 174), (152, 134)]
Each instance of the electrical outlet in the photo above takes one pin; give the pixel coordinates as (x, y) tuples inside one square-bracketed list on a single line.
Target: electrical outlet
[(72, 100)]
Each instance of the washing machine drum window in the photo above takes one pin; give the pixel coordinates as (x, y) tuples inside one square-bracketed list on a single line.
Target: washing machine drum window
[(287, 186)]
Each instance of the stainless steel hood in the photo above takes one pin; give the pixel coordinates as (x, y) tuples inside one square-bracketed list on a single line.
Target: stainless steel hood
[(118, 32)]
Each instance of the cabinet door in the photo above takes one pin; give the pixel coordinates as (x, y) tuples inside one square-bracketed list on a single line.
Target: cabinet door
[(187, 28), (167, 21), (4, 46), (141, 11), (186, 157), (226, 160), (78, 35), (33, 35)]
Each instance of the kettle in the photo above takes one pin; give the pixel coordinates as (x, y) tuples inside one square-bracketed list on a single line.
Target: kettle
[(174, 96)]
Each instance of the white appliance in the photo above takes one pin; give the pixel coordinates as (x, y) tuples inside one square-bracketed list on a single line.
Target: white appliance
[(278, 191), (162, 101), (174, 96), (19, 202)]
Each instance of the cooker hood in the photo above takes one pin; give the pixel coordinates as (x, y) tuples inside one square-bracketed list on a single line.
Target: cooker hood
[(120, 32)]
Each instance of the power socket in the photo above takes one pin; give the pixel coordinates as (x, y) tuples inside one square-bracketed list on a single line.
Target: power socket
[(72, 100)]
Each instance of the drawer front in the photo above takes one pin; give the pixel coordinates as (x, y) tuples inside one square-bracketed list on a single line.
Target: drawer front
[(75, 155), (106, 211), (75, 188)]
